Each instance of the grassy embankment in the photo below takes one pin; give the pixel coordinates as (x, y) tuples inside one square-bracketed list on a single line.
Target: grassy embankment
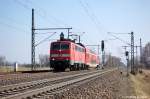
[(11, 69), (141, 84)]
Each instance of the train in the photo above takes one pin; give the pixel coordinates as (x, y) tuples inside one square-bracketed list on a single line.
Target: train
[(66, 53)]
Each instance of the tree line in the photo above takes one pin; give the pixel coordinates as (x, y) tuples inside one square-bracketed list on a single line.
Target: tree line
[(145, 57)]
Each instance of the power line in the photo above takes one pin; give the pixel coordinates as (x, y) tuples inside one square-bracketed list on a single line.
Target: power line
[(44, 15), (13, 27), (92, 12), (10, 19), (22, 4), (53, 18), (45, 39), (91, 15), (43, 33), (26, 6), (118, 38)]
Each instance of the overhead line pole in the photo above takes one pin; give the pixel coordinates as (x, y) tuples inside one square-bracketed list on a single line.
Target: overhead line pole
[(136, 60), (140, 50), (33, 29), (140, 69), (135, 67), (132, 53), (33, 42), (132, 50)]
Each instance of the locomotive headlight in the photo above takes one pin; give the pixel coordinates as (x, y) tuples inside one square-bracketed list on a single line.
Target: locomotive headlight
[(53, 59)]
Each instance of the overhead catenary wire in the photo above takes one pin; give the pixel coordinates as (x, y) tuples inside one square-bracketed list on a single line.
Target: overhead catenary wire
[(13, 27), (91, 15), (12, 23), (43, 13), (12, 20), (118, 38), (45, 39), (22, 4), (119, 33), (43, 33), (27, 7)]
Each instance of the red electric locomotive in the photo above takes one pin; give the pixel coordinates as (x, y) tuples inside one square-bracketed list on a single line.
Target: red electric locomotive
[(65, 53)]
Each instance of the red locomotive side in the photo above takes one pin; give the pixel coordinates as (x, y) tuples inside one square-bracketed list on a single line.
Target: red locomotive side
[(77, 57), (92, 59)]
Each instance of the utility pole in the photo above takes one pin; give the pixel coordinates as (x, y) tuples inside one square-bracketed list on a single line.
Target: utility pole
[(33, 42), (136, 65), (140, 50), (98, 49), (79, 39), (78, 36), (69, 32), (140, 69), (132, 49), (98, 54), (132, 53)]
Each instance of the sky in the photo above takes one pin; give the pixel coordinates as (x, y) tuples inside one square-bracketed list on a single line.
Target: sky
[(94, 17)]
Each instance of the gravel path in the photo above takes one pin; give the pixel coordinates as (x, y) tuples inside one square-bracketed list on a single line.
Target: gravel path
[(109, 86)]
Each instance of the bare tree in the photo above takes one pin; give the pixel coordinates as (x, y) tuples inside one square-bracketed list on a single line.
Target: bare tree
[(113, 60), (44, 60), (2, 60), (146, 55)]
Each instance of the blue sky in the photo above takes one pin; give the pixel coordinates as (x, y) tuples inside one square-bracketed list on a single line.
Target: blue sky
[(94, 17)]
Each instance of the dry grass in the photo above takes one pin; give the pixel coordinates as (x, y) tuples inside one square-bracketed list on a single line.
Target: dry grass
[(141, 84), (6, 69), (20, 68), (11, 69)]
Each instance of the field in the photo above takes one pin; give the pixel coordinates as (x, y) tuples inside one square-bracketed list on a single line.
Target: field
[(141, 84), (20, 68)]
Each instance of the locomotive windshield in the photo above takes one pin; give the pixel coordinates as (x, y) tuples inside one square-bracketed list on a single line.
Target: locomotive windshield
[(59, 46), (64, 46), (55, 46)]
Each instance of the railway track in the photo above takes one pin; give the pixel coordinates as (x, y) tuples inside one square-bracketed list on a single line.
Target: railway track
[(10, 79), (36, 89)]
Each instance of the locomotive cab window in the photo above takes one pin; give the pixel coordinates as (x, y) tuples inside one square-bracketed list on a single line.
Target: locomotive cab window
[(55, 46), (64, 46), (59, 46)]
